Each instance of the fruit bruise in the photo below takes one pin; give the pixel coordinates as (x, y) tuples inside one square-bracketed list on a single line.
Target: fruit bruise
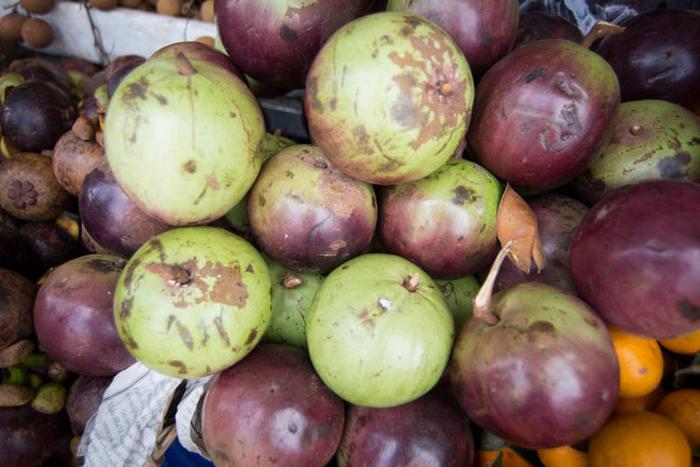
[(421, 98), (204, 294)]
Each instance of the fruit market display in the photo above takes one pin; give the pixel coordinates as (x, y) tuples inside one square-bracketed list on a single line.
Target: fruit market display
[(487, 252)]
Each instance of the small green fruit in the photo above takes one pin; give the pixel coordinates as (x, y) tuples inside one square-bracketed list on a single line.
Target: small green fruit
[(193, 301), (379, 331)]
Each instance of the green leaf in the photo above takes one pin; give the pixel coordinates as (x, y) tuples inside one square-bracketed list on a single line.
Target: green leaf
[(528, 455)]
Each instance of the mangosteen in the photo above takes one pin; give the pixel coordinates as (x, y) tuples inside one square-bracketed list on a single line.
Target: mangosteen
[(84, 399), (35, 114), (29, 190), (16, 301), (48, 246), (74, 157)]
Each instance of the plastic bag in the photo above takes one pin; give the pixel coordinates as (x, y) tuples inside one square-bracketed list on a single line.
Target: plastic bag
[(585, 13)]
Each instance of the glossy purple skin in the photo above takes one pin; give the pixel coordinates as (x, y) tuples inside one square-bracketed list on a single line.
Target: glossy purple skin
[(84, 398), (35, 115), (271, 408), (306, 214), (543, 113), (114, 221), (484, 30), (74, 320), (557, 219), (431, 430), (447, 230), (634, 258), (278, 48), (658, 57), (27, 437), (546, 375), (538, 25), (198, 51), (48, 246)]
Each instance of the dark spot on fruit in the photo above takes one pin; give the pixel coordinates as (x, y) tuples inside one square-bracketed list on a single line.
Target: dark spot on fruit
[(333, 103), (542, 326), (129, 275), (292, 428), (157, 245), (688, 310), (362, 138), (642, 371), (261, 201), (181, 368), (250, 268), (190, 166), (129, 341), (591, 321), (287, 34), (251, 337), (462, 195), (105, 266), (125, 309), (366, 319), (312, 88), (695, 141), (184, 333), (673, 167), (136, 90), (534, 74), (218, 322), (232, 114), (162, 100)]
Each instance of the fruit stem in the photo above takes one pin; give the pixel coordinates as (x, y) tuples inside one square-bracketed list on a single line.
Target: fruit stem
[(411, 283), (445, 88), (184, 66), (484, 298), (291, 281), (601, 29)]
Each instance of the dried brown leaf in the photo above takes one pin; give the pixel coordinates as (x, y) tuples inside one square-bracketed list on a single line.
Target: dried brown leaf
[(517, 224)]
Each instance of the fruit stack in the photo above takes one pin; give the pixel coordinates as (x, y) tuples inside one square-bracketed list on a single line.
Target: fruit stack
[(487, 254)]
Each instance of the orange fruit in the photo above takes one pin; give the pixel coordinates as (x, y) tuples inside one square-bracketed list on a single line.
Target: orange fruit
[(641, 439), (682, 407), (686, 345), (510, 458), (639, 404), (641, 363), (563, 456)]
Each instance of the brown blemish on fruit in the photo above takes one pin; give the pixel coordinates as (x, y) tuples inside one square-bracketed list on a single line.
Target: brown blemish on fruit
[(157, 245), (312, 88), (673, 166), (213, 183), (688, 310), (219, 323), (642, 371), (190, 166), (251, 337), (432, 71), (125, 309), (105, 266), (129, 341), (362, 139), (136, 90), (462, 195), (250, 268), (185, 334), (591, 322), (228, 288), (181, 368), (162, 100), (129, 275), (287, 34), (543, 327), (366, 320)]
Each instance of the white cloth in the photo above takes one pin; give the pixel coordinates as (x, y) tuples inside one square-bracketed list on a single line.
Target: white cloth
[(124, 429)]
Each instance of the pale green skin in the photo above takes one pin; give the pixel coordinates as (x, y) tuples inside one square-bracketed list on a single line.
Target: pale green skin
[(668, 146), (9, 80), (359, 115), (290, 306), (189, 331), (459, 295), (376, 358), (191, 149)]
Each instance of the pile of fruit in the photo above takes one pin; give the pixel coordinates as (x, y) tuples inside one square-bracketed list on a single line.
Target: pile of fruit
[(488, 254)]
